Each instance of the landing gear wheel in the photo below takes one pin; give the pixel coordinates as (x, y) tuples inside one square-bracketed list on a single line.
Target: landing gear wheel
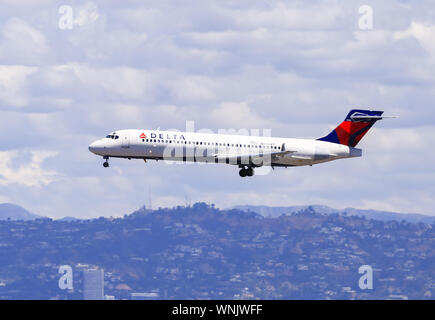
[(249, 172), (106, 163), (246, 172), (242, 173)]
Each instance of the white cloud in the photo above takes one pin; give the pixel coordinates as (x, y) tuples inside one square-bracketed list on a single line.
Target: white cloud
[(124, 82), (13, 80), (19, 30), (403, 139), (238, 115), (30, 174), (193, 88), (20, 41), (424, 34), (283, 15)]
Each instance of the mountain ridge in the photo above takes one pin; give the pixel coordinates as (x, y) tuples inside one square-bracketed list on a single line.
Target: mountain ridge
[(271, 211), (15, 212)]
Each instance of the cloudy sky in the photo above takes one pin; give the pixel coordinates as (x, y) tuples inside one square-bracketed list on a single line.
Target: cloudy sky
[(294, 67)]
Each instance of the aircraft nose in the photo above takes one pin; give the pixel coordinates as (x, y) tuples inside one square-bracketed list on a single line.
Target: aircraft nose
[(92, 147), (95, 146)]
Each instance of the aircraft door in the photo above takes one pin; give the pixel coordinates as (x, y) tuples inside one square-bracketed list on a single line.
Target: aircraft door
[(125, 140)]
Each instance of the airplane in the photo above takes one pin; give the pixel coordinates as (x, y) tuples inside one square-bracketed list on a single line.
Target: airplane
[(247, 152)]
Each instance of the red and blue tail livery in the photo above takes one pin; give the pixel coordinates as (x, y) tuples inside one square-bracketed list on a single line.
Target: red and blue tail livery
[(354, 127)]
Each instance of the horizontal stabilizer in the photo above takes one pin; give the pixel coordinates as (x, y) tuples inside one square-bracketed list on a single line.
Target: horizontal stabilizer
[(371, 117)]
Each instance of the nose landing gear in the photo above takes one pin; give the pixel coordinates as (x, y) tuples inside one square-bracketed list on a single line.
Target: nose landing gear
[(106, 163)]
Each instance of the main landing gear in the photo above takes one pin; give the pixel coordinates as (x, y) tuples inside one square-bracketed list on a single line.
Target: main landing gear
[(106, 163), (246, 172)]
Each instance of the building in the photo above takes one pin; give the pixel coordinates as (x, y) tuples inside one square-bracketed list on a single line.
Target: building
[(93, 288), (144, 296)]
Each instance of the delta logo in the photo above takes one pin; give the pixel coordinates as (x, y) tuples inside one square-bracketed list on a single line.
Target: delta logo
[(142, 136)]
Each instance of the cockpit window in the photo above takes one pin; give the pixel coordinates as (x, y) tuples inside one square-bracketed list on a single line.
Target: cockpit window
[(112, 136), (109, 136)]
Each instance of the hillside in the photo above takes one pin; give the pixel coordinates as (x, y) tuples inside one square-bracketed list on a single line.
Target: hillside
[(14, 212), (201, 252), (274, 212)]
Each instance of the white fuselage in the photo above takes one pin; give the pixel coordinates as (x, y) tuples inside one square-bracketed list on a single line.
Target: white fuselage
[(253, 151)]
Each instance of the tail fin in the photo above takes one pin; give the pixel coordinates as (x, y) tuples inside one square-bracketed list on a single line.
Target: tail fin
[(354, 127)]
